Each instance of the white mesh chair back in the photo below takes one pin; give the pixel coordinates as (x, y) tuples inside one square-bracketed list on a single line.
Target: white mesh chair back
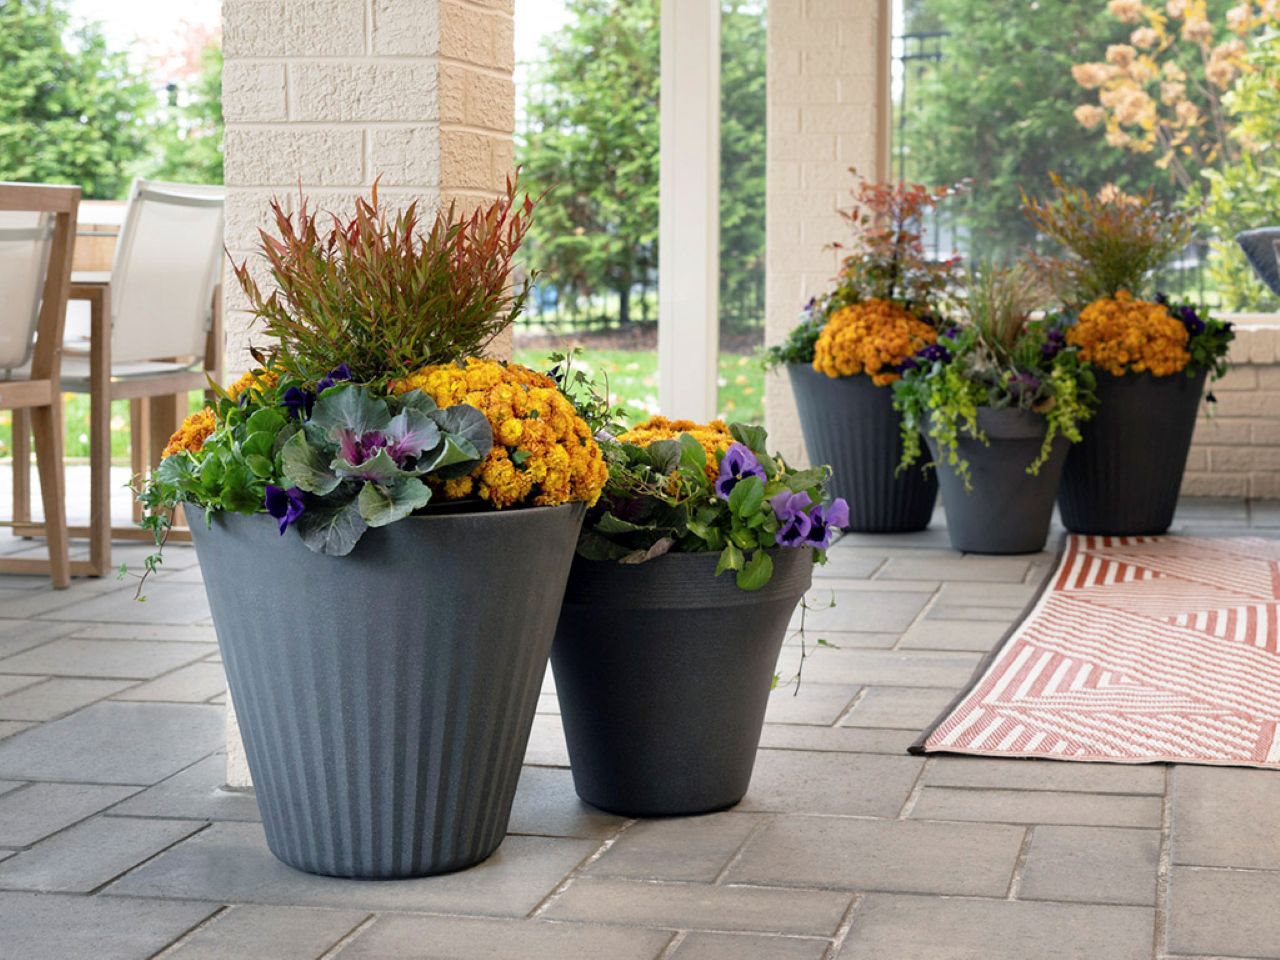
[(26, 238), (165, 268)]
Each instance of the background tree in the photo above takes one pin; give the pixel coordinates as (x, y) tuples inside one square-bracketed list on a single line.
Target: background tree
[(71, 110), (592, 141), (188, 137), (998, 109)]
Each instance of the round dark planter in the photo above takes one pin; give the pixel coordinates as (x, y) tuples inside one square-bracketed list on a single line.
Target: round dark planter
[(850, 423), (663, 672), (1123, 478), (1007, 510), (386, 698)]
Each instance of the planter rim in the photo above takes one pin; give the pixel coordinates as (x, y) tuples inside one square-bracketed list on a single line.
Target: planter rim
[(483, 515), (844, 376)]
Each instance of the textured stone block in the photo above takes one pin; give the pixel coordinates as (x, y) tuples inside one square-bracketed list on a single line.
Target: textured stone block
[(368, 92), (268, 28), (406, 28), (490, 101), (268, 157), (405, 155), (466, 160), (253, 92)]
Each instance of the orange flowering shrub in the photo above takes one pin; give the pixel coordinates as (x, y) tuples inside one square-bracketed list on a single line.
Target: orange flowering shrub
[(713, 436), (870, 337), (543, 452), (191, 435), (1122, 334)]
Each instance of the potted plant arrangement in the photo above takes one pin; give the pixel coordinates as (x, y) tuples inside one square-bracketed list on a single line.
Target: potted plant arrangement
[(1151, 357), (687, 574), (385, 524), (998, 398), (844, 354)]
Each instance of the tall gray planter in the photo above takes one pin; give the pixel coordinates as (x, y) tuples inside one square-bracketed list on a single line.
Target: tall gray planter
[(1123, 478), (386, 697), (663, 671), (1007, 510), (851, 424)]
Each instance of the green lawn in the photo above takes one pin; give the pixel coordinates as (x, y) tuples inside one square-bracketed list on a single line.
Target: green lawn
[(632, 376)]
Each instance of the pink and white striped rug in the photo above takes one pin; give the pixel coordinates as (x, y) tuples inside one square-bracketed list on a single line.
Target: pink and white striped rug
[(1140, 650)]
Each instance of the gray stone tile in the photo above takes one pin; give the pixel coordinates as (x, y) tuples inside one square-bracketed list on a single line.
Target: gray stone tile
[(1226, 818), (932, 538), (460, 938), (836, 739), (34, 812), (183, 633), (1011, 596), (19, 635), (838, 640), (167, 603), (127, 659), (699, 906), (546, 805), (1029, 806), (1228, 913), (899, 707), (955, 567), (196, 793), (1019, 774), (791, 781), (869, 612), (1264, 513), (56, 697), (268, 933), (730, 946), (1217, 510), (920, 928), (546, 743), (7, 786), (8, 728), (56, 927), (9, 683), (138, 743), (931, 634), (884, 667), (1092, 865), (893, 855), (975, 612), (694, 849), (194, 683), (811, 703), (230, 863), (86, 856), (849, 564)]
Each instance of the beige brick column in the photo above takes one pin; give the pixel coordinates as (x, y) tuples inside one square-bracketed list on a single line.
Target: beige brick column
[(828, 110), (328, 95)]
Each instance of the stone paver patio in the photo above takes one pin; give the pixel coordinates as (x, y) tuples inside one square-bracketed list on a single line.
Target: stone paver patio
[(117, 842)]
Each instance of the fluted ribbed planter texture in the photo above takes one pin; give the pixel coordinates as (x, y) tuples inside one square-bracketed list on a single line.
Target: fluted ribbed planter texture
[(851, 424), (1123, 478), (663, 671), (386, 698), (1006, 510)]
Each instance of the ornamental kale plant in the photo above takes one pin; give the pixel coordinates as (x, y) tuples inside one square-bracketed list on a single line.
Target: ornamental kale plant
[(738, 500), (997, 357)]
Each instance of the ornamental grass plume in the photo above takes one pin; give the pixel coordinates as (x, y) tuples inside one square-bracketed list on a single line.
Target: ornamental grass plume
[(1111, 240), (375, 293)]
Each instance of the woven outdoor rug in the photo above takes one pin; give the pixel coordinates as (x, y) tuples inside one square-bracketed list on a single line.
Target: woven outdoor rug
[(1139, 650)]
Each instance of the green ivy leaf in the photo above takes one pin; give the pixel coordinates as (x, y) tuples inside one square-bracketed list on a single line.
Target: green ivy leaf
[(756, 573), (609, 524), (746, 497), (753, 437), (731, 558), (692, 455)]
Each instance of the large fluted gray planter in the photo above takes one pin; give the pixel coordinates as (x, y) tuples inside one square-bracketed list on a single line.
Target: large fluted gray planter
[(386, 698), (851, 424), (1123, 478), (1006, 510), (663, 671)]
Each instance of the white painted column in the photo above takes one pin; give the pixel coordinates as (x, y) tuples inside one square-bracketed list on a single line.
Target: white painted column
[(689, 209)]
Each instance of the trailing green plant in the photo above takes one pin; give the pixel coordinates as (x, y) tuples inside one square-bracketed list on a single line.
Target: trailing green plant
[(377, 294), (996, 357), (1111, 241)]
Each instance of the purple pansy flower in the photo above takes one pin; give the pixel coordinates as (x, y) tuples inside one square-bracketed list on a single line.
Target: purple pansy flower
[(738, 464), (298, 402), (1024, 386), (1190, 319), (285, 505), (791, 509), (824, 521), (1055, 341), (337, 375)]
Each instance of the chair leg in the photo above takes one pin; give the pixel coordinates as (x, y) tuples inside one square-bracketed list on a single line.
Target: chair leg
[(21, 466), (139, 432), (47, 426), (100, 482)]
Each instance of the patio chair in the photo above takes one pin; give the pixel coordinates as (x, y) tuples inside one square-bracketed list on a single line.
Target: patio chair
[(37, 236), (155, 335)]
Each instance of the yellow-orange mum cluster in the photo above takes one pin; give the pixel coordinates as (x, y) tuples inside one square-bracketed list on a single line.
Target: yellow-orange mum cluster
[(1123, 334), (190, 437), (256, 379), (543, 452), (870, 337), (713, 436)]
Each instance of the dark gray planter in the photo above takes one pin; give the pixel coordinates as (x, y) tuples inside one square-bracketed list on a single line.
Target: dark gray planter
[(1123, 478), (851, 424), (386, 697), (663, 672), (1007, 510)]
